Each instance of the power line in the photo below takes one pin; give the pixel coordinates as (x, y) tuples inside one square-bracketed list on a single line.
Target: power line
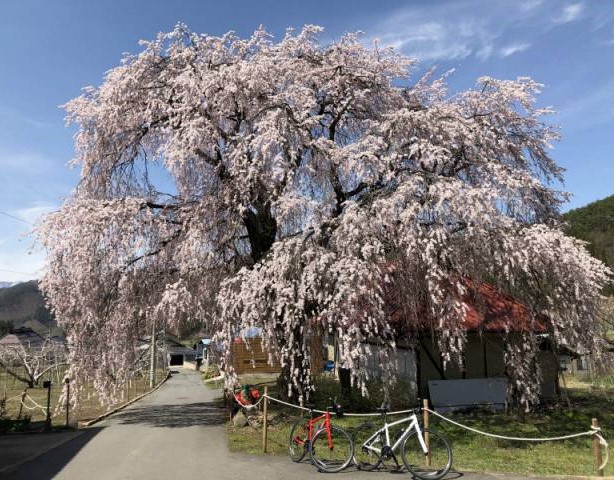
[(16, 218)]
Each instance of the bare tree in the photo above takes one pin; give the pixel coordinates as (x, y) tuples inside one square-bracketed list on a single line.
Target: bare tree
[(30, 361)]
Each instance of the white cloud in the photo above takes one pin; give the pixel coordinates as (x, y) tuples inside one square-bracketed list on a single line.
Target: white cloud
[(34, 213), (20, 266), (20, 259), (459, 29), (15, 115), (529, 5), (513, 48), (454, 30), (32, 163), (569, 13), (589, 110)]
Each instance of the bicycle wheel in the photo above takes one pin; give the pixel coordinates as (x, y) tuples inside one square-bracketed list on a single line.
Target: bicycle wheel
[(331, 456), (367, 457), (440, 456), (299, 440)]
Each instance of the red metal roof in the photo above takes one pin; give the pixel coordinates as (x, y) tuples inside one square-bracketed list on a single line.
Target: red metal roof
[(491, 311), (487, 309)]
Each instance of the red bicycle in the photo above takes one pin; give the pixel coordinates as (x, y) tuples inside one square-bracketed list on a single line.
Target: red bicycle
[(330, 447)]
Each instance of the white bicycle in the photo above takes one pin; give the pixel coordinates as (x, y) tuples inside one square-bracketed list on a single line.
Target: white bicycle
[(425, 453)]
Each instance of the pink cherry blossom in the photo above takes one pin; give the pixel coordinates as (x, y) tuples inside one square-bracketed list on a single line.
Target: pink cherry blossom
[(290, 185)]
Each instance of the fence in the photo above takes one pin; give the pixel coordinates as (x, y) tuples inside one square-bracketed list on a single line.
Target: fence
[(600, 445), (21, 401)]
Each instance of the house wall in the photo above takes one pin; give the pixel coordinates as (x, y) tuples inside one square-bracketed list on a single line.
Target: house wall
[(252, 359), (484, 357), (404, 362), (549, 365), (581, 366)]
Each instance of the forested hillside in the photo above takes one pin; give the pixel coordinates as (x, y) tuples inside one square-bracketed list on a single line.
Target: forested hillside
[(594, 223), (23, 304)]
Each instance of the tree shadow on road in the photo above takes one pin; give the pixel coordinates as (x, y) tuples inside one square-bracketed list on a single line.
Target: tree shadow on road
[(173, 416), (52, 462)]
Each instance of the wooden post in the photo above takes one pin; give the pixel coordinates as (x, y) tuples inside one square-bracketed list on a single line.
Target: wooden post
[(67, 381), (47, 385), (23, 397), (597, 449), (425, 415), (265, 422)]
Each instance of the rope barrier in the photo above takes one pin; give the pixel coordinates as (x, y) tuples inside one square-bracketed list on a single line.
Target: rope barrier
[(14, 397), (399, 412), (504, 437), (595, 431), (36, 405)]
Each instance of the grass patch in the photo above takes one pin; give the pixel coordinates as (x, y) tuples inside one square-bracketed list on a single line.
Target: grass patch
[(476, 452)]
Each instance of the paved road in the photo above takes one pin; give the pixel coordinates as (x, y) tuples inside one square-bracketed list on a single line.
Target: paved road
[(174, 433)]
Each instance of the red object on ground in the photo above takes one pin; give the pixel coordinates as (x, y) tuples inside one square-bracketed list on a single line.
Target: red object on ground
[(254, 395)]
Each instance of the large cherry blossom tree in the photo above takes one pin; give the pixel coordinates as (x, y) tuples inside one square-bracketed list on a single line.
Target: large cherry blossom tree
[(296, 187)]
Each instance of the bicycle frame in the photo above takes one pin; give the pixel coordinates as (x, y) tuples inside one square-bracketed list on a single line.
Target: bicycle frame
[(324, 422), (413, 425)]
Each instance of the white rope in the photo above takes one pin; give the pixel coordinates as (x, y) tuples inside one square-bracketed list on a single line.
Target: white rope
[(34, 402), (289, 404), (15, 397), (504, 437), (399, 412), (593, 432), (36, 405), (604, 444)]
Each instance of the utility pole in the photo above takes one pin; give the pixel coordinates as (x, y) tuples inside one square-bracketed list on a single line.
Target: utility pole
[(152, 359)]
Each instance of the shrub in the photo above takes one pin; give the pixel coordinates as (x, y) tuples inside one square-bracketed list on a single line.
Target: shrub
[(210, 371), (8, 425), (402, 395)]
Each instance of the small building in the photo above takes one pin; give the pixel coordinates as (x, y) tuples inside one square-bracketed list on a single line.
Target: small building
[(177, 354), (249, 355), (22, 337), (491, 320), (204, 351)]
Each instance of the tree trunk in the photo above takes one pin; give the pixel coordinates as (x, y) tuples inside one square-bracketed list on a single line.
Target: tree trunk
[(345, 380), (261, 230)]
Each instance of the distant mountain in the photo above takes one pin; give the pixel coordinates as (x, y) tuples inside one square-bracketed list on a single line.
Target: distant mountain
[(23, 305), (7, 284), (594, 223)]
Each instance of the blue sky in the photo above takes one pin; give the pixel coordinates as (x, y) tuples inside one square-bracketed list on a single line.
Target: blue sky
[(51, 49)]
